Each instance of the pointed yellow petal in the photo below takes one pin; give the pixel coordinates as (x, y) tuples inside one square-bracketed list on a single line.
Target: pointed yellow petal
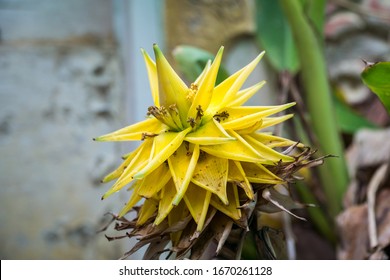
[(205, 209), (211, 174), (147, 211), (164, 146), (150, 126), (203, 96), (261, 157), (250, 129), (211, 133), (182, 165), (267, 122), (219, 93), (202, 75), (265, 151), (243, 122), (257, 173), (237, 176), (152, 74), (231, 93), (118, 172), (197, 201), (232, 209), (138, 162), (273, 141), (235, 150), (165, 206), (172, 90), (244, 95), (155, 181), (239, 116), (132, 201)]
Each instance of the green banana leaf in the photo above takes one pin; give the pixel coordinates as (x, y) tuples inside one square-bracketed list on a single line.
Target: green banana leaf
[(191, 62), (315, 11), (376, 76), (348, 120), (274, 35)]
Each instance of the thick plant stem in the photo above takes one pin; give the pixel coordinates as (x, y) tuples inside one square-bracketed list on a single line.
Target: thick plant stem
[(321, 221), (334, 175)]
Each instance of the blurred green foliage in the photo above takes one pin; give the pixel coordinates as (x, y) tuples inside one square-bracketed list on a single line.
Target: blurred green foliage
[(377, 77)]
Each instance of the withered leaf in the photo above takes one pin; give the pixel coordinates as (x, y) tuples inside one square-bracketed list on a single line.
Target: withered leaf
[(274, 201)]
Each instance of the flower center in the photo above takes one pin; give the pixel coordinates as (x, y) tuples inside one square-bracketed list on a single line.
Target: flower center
[(169, 117), (192, 92)]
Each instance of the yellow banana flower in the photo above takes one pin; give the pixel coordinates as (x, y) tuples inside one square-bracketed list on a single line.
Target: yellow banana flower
[(201, 148)]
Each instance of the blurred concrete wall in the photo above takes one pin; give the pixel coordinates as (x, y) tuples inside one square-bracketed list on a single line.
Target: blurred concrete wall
[(69, 71), (62, 83), (210, 24)]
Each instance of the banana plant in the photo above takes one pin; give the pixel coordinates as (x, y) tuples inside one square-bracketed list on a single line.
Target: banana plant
[(377, 78)]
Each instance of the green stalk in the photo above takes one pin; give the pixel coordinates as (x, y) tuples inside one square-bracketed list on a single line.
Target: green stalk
[(333, 173), (320, 221)]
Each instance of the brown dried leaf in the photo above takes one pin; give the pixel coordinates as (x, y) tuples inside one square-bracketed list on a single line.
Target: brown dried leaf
[(222, 237), (204, 248), (369, 148), (352, 225), (155, 249), (383, 218), (142, 243), (271, 244), (180, 225), (273, 201)]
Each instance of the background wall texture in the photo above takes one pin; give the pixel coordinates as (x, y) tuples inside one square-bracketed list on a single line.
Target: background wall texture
[(70, 71), (61, 85)]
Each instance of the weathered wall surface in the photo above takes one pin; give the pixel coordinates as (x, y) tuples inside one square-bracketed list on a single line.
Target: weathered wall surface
[(61, 85), (209, 24)]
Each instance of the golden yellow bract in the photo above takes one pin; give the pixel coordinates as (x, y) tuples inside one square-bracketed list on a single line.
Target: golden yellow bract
[(200, 145)]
